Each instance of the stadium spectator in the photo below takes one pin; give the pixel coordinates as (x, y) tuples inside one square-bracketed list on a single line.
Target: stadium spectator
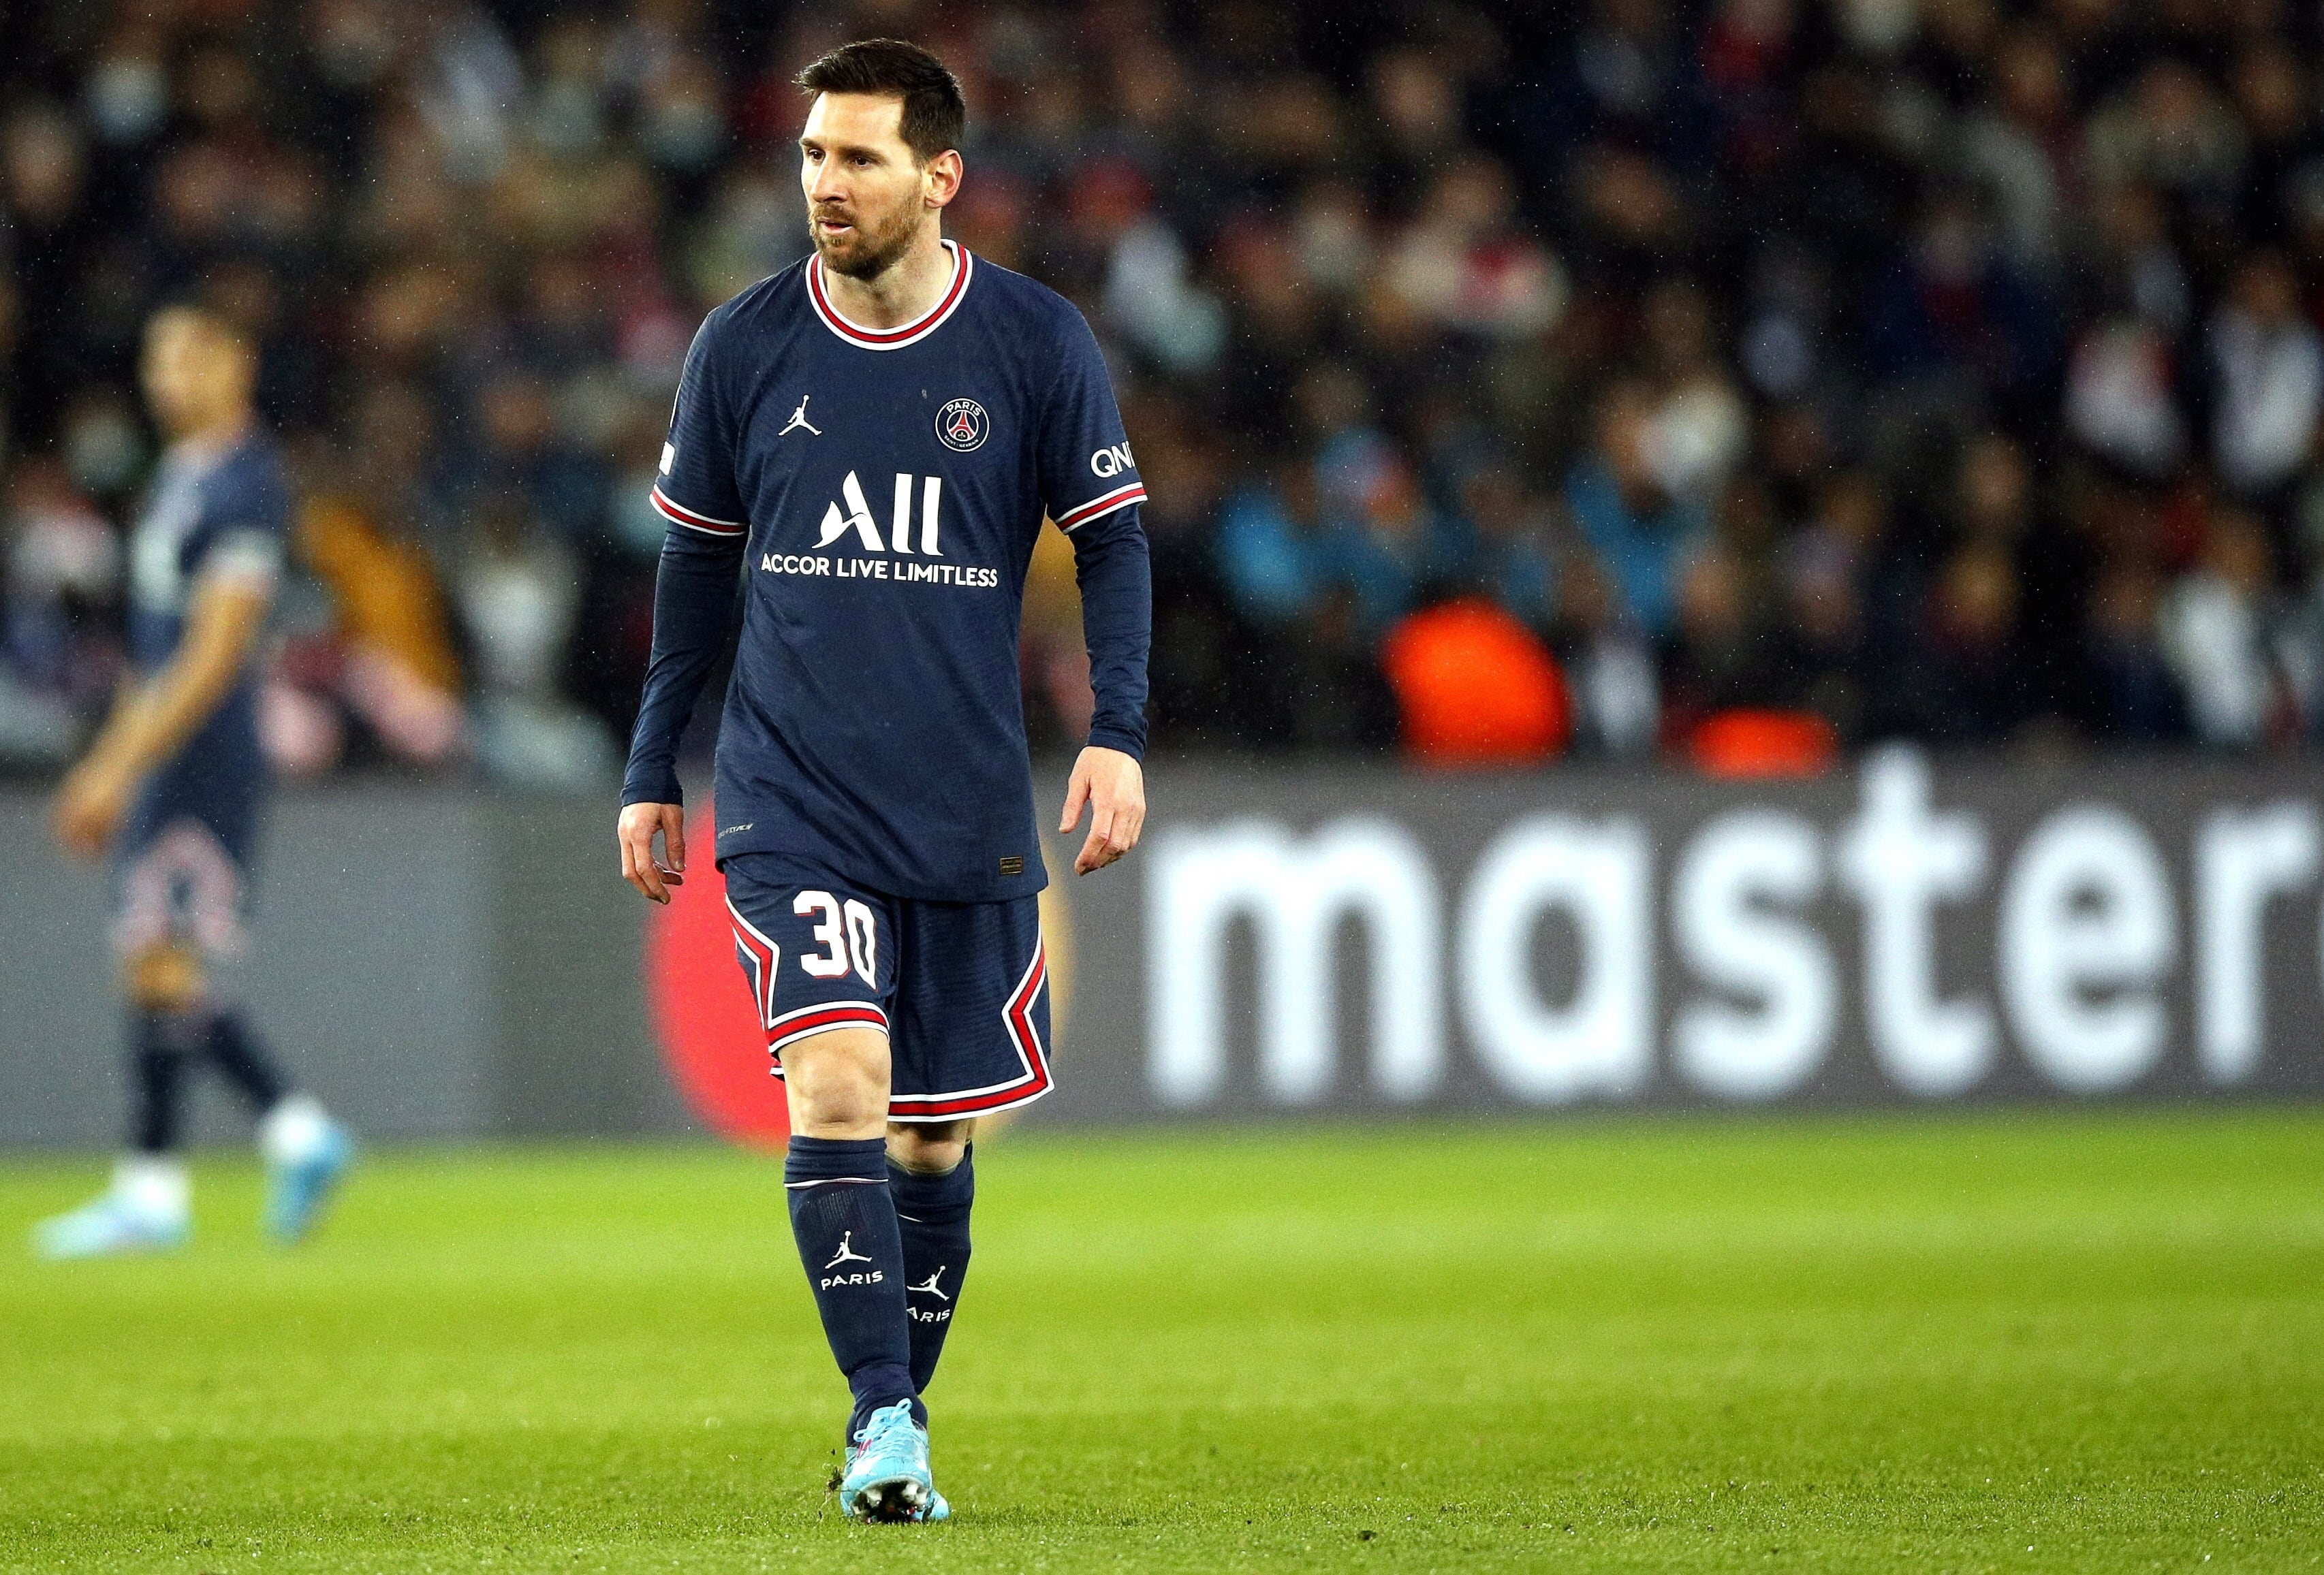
[(1271, 550), (61, 575), (1517, 554), (1964, 681), (1721, 659), (1642, 532), (2138, 698), (2270, 365), (1616, 689), (518, 591), (1819, 630), (1537, 303), (2216, 636)]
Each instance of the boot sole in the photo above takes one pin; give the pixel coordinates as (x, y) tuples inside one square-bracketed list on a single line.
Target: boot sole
[(894, 1501)]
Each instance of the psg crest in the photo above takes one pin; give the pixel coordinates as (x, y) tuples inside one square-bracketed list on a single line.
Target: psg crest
[(962, 425)]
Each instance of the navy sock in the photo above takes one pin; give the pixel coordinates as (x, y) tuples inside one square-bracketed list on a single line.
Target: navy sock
[(932, 1213), (237, 1053), (846, 1227), (160, 1043)]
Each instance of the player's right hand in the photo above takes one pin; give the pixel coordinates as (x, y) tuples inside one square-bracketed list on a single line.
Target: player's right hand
[(90, 804), (638, 866)]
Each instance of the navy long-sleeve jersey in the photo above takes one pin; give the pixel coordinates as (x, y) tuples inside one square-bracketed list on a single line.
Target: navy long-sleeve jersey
[(210, 513), (881, 492)]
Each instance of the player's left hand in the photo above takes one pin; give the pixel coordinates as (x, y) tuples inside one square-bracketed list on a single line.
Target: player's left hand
[(1113, 785), (89, 805), (635, 832)]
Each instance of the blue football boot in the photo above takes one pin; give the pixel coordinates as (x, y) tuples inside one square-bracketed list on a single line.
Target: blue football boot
[(296, 1189), (887, 1477), (108, 1228)]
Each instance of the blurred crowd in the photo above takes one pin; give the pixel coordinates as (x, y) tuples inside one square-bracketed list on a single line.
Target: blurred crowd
[(1524, 379)]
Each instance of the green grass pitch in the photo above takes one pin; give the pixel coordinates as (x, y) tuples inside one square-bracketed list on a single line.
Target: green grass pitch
[(2001, 1342)]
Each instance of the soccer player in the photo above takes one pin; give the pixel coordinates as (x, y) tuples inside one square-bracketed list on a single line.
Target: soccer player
[(172, 784), (873, 437)]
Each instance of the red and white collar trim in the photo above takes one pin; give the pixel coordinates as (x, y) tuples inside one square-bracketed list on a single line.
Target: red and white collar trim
[(963, 264)]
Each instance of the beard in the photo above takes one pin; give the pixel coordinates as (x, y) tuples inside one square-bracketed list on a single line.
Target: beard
[(866, 250)]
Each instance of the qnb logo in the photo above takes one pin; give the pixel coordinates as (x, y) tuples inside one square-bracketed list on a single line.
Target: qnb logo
[(858, 517), (1111, 461)]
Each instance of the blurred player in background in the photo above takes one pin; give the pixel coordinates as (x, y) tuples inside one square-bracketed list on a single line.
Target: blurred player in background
[(875, 808), (173, 786)]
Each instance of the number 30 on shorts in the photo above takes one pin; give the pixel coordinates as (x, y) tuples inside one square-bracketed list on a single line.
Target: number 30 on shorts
[(858, 946)]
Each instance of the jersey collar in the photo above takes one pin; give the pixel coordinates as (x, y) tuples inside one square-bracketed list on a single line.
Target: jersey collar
[(895, 338), (203, 454)]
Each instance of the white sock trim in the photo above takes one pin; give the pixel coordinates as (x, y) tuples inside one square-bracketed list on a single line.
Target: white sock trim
[(293, 1132), (154, 1186)]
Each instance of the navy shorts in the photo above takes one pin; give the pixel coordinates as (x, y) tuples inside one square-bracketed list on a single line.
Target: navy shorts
[(961, 988), (182, 864)]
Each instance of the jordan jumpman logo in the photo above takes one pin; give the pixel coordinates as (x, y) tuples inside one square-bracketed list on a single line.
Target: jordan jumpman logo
[(846, 1254), (931, 1286), (798, 419)]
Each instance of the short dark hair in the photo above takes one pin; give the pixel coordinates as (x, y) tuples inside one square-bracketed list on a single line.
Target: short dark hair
[(934, 114), (217, 322)]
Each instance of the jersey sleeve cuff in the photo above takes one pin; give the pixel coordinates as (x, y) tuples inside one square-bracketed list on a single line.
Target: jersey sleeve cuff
[(249, 557), (648, 788), (1110, 738)]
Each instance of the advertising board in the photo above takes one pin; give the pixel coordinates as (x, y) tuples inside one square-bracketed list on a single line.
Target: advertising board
[(1903, 933)]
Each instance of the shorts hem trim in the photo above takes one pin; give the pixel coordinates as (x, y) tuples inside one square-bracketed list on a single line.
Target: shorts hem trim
[(916, 1115), (809, 1021)]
